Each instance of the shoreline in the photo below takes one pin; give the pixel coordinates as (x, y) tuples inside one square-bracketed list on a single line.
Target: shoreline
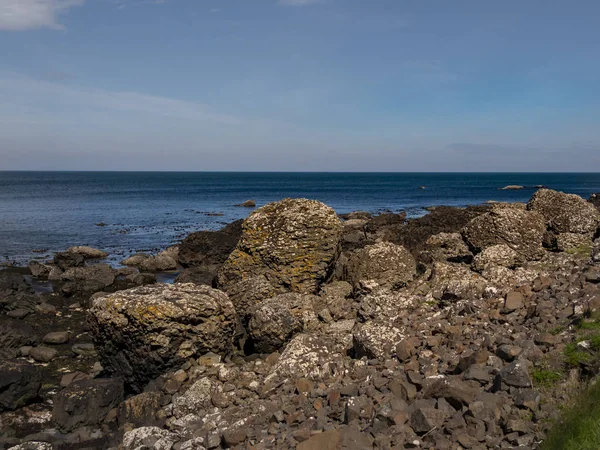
[(295, 329)]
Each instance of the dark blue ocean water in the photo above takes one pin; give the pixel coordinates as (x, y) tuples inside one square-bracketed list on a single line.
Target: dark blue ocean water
[(51, 211)]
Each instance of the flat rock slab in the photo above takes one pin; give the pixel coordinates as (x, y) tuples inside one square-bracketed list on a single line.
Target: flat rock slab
[(56, 337)]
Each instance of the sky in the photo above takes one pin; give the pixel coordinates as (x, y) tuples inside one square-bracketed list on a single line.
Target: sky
[(300, 85)]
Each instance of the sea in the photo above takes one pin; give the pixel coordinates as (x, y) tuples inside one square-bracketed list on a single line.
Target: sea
[(127, 212)]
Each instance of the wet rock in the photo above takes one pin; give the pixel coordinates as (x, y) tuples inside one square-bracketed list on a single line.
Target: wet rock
[(87, 252), (67, 260), (39, 270), (209, 249), (56, 337), (15, 334), (196, 275), (565, 213), (294, 243), (247, 204), (20, 383), (84, 349), (276, 320), (43, 354), (86, 402), (101, 274), (135, 260), (145, 331), (387, 264), (497, 255), (376, 340), (141, 279), (517, 228)]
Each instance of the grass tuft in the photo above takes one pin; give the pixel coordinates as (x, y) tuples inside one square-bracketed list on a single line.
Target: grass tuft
[(545, 377)]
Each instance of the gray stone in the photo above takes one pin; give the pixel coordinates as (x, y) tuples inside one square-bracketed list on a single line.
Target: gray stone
[(43, 354), (56, 337), (20, 383)]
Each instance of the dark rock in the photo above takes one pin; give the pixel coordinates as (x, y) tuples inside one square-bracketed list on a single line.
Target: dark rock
[(20, 382), (247, 204), (141, 279), (15, 334), (87, 252), (43, 354), (56, 337), (209, 249), (423, 420), (294, 243), (516, 374), (455, 391), (67, 260), (595, 200), (86, 402), (196, 275), (84, 349), (143, 332), (39, 270)]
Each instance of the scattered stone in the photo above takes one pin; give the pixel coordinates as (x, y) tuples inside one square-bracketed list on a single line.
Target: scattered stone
[(43, 354), (56, 337), (87, 252), (84, 349)]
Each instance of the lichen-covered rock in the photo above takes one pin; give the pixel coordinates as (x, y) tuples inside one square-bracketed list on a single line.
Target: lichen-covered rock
[(497, 255), (247, 294), (20, 382), (87, 252), (565, 213), (141, 410), (143, 332), (86, 402), (149, 438), (276, 320), (387, 264), (575, 243), (294, 243), (385, 306), (312, 356), (521, 230), (452, 281), (375, 339), (33, 445), (449, 247), (196, 398)]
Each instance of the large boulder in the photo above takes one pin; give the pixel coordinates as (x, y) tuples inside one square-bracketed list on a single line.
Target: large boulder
[(497, 255), (448, 247), (20, 382), (452, 281), (143, 332), (521, 230), (389, 265), (247, 294), (66, 260), (147, 263), (86, 402), (210, 249), (276, 320), (294, 243), (565, 213)]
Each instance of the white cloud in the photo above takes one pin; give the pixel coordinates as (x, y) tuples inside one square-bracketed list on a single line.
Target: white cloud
[(298, 2), (17, 15)]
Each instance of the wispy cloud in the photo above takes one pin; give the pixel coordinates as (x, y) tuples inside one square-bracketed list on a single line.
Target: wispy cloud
[(299, 2), (14, 88), (18, 15)]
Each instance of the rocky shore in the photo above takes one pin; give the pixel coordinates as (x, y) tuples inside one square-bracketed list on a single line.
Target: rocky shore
[(296, 328)]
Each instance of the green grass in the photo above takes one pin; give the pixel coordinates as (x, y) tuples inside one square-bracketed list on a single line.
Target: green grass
[(579, 428), (582, 250), (545, 377), (575, 356)]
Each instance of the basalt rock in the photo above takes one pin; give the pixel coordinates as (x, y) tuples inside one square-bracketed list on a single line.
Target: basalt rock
[(143, 332), (565, 213), (20, 383), (14, 334), (87, 252), (249, 293), (66, 260), (521, 230), (276, 320), (595, 200), (209, 249), (387, 264), (93, 276), (497, 255), (448, 247), (293, 243)]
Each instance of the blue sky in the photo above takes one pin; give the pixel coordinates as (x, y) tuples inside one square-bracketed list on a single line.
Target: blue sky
[(327, 85)]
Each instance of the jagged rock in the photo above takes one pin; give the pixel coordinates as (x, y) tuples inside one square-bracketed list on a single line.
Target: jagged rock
[(519, 229), (376, 340), (197, 397), (20, 382), (209, 249), (448, 247), (312, 356), (516, 374), (87, 252), (455, 391), (276, 320), (565, 213), (384, 306), (249, 293), (387, 264), (148, 438), (497, 255), (294, 243), (86, 402), (452, 281), (143, 332), (141, 410), (39, 270), (67, 260)]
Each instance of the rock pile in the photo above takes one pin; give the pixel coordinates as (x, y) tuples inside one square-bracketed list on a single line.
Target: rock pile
[(374, 333)]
